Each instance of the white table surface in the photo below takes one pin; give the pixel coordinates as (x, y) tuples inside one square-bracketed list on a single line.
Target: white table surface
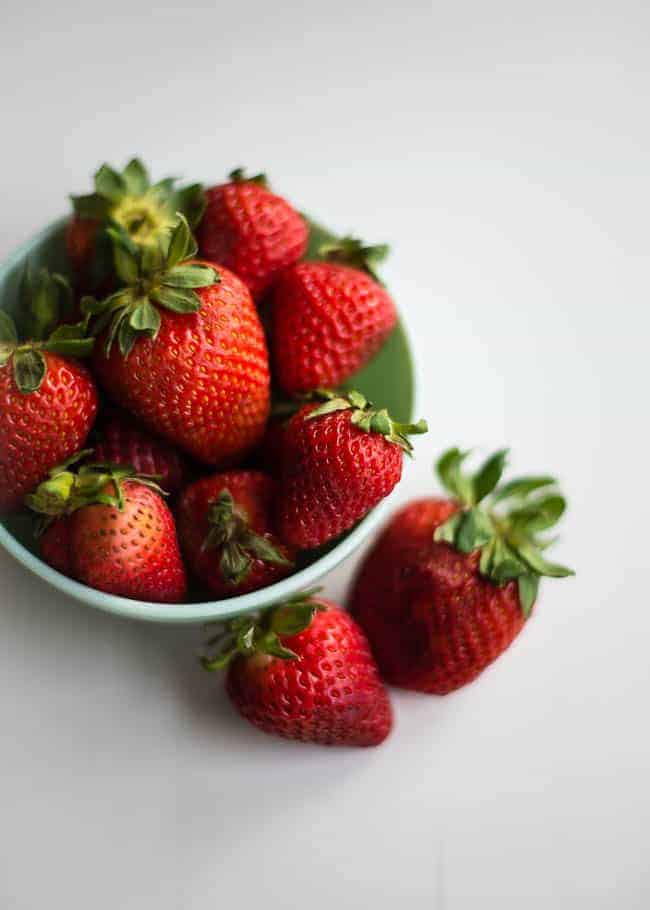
[(504, 150)]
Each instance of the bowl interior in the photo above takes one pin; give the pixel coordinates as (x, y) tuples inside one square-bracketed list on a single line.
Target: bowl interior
[(387, 380)]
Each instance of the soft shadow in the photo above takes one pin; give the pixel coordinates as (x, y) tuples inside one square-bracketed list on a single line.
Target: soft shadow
[(51, 628)]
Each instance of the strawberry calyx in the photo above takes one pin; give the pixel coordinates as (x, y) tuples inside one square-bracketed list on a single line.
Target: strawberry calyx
[(353, 252), (366, 417), (45, 299), (503, 522), (71, 486), (240, 546), (261, 633), (130, 202), (152, 277), (238, 175)]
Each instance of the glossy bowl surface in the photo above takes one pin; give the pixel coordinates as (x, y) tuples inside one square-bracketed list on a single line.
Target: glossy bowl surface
[(387, 380)]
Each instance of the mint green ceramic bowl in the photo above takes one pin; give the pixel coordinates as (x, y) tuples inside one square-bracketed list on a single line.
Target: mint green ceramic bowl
[(388, 381)]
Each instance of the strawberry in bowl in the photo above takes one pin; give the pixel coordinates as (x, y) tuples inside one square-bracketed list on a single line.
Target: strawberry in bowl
[(176, 334)]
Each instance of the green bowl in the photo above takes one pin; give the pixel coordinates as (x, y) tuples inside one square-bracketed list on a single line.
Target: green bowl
[(387, 380)]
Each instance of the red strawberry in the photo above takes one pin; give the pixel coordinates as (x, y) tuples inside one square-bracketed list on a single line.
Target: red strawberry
[(251, 231), (128, 201), (121, 441), (56, 548), (329, 319), (48, 402), (339, 460), (225, 529), (450, 583), (80, 243), (304, 671), (183, 350), (110, 529)]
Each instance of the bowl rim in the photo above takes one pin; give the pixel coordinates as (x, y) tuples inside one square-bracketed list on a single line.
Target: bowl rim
[(203, 611), (206, 610)]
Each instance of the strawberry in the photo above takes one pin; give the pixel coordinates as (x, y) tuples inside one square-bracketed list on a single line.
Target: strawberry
[(329, 318), (451, 582), (225, 530), (304, 671), (121, 441), (182, 349), (48, 400), (126, 201), (251, 231), (56, 547), (83, 244), (339, 460), (109, 528)]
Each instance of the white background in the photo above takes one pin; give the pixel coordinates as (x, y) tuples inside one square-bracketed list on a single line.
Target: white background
[(503, 149)]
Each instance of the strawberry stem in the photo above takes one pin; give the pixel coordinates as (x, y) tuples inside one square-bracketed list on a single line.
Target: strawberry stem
[(352, 252), (262, 632), (366, 417), (240, 546), (153, 278), (71, 486), (507, 537)]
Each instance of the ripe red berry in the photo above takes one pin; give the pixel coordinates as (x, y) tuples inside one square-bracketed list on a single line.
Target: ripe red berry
[(187, 358), (339, 460), (80, 243), (121, 441), (304, 671), (56, 549), (328, 321), (111, 530), (450, 583), (48, 401), (224, 523), (251, 231)]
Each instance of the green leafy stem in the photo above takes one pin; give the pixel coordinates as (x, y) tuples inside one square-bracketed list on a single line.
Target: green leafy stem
[(366, 417), (354, 253), (239, 544), (45, 299), (71, 486), (128, 198), (502, 522), (261, 633), (154, 276)]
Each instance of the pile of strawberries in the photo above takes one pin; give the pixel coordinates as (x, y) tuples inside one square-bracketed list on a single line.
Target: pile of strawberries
[(182, 448)]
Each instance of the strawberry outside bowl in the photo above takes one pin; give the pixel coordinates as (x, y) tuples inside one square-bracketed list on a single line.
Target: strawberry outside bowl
[(388, 380)]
